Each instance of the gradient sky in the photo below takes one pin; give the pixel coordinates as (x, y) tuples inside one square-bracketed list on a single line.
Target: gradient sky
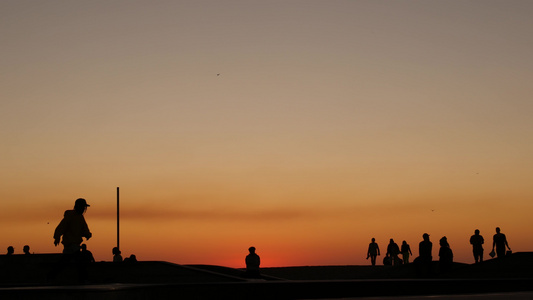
[(303, 128)]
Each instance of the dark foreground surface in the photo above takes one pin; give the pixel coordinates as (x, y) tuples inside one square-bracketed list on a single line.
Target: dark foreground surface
[(26, 278), (488, 296)]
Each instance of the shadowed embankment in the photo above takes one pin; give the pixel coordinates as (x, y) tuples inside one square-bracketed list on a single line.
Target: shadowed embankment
[(25, 278)]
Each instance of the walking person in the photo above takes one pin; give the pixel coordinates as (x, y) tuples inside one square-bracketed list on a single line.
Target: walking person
[(477, 242), (373, 251), (406, 252), (73, 228), (392, 251), (499, 240)]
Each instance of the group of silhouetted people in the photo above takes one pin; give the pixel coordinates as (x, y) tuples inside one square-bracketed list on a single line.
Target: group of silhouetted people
[(73, 228), (499, 243), (70, 232), (11, 250), (392, 255), (425, 256), (425, 247), (117, 256)]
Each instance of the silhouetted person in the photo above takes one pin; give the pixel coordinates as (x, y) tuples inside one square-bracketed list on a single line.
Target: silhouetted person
[(373, 251), (73, 228), (423, 261), (131, 259), (387, 261), (117, 257), (445, 255), (477, 242), (425, 248), (71, 231), (85, 259), (10, 250), (26, 250), (406, 251), (252, 263), (500, 242), (86, 256), (392, 251)]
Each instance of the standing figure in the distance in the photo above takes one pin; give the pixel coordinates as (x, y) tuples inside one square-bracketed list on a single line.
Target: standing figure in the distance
[(445, 255), (252, 263), (373, 251), (477, 242), (117, 257), (425, 248), (425, 257), (500, 242), (406, 251), (86, 255)]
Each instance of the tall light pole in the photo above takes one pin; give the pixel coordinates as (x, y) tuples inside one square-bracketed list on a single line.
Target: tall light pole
[(118, 218)]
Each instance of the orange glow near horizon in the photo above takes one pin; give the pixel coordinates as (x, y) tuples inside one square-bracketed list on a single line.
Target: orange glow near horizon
[(321, 236), (299, 127)]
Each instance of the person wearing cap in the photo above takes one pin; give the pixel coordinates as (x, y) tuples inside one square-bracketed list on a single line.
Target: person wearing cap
[(425, 247), (73, 228)]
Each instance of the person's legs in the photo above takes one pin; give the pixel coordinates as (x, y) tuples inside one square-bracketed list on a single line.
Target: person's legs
[(405, 258), (500, 252)]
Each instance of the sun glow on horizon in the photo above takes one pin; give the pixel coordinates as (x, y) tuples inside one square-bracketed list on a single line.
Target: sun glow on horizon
[(300, 127)]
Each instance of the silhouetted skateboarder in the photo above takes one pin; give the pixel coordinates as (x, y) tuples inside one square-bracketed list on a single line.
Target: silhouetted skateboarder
[(70, 232)]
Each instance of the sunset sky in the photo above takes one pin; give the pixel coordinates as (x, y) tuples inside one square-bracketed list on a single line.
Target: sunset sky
[(303, 128)]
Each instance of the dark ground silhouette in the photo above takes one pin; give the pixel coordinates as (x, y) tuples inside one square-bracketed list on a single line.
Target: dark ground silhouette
[(165, 280)]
